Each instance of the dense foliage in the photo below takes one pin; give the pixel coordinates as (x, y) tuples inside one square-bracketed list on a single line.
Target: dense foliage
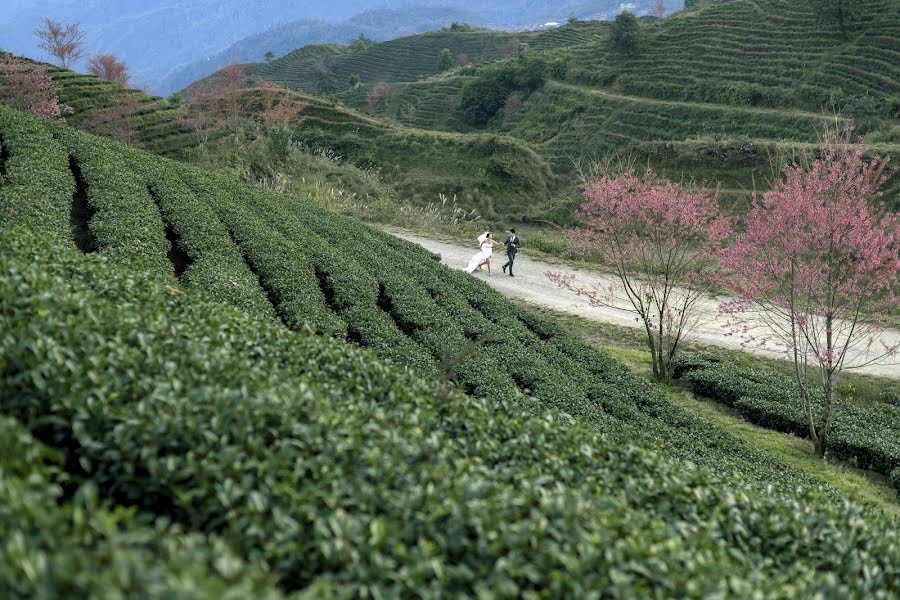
[(483, 96), (344, 470), (625, 33), (868, 437), (61, 540)]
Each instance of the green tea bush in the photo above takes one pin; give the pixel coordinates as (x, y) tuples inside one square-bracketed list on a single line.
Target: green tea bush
[(59, 541), (125, 223), (36, 185), (346, 477), (868, 437), (284, 272), (561, 473), (217, 268)]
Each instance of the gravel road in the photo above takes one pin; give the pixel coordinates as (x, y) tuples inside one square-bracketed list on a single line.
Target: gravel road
[(532, 285)]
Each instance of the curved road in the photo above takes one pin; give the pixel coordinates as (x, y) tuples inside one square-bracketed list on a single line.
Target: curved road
[(532, 285)]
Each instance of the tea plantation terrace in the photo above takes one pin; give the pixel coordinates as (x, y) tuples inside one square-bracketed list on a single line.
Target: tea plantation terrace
[(272, 399)]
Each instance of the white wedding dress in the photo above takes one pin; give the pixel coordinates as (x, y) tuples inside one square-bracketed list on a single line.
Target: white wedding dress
[(482, 255)]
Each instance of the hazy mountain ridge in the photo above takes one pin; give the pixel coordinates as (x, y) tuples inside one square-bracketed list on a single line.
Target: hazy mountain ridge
[(377, 25), (176, 34)]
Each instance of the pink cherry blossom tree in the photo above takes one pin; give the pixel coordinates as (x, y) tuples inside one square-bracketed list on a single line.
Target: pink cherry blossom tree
[(27, 86), (818, 264), (661, 241)]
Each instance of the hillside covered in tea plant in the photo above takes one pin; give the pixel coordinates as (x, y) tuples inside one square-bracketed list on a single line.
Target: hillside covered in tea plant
[(714, 92), (330, 68), (207, 387), (484, 170)]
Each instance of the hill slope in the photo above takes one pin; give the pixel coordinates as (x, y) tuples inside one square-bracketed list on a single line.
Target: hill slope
[(716, 93), (494, 174), (156, 122), (377, 25), (265, 424), (408, 58)]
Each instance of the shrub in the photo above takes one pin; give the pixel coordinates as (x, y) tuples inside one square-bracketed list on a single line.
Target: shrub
[(340, 473), (62, 541), (484, 96), (867, 437), (625, 34)]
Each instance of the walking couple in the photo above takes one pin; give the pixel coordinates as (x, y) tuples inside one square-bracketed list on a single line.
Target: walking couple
[(486, 243)]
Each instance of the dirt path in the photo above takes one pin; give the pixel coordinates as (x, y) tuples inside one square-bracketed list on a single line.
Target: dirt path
[(532, 285)]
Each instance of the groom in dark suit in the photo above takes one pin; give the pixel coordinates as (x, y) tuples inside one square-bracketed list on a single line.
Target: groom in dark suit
[(513, 243)]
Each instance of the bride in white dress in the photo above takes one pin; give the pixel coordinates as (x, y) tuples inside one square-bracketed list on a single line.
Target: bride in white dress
[(483, 256)]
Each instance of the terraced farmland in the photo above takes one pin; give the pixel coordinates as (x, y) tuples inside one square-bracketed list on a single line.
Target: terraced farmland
[(497, 174), (404, 59), (429, 104), (156, 120), (338, 414), (716, 93), (763, 53)]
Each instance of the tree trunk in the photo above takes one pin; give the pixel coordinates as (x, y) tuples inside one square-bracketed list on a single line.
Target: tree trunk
[(651, 344), (825, 427)]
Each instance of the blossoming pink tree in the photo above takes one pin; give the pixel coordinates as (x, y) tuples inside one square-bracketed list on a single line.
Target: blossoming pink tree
[(661, 241), (818, 263), (27, 86)]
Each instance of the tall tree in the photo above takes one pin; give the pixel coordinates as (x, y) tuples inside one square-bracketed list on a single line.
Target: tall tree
[(818, 264), (118, 120), (661, 241), (108, 68), (27, 86), (445, 60), (63, 41), (625, 34), (659, 9)]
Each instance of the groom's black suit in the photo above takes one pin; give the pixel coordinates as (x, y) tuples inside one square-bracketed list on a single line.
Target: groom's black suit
[(513, 243)]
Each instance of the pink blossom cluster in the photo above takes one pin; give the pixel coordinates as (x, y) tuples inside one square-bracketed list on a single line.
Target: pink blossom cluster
[(27, 86), (818, 258), (651, 225)]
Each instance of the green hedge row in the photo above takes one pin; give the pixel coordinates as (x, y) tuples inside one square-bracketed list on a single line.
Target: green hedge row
[(125, 222), (868, 437), (62, 542), (349, 478), (216, 266), (284, 273), (349, 290), (35, 185)]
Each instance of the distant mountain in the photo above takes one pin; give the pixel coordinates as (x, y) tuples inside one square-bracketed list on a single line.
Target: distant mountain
[(152, 39), (157, 38), (378, 25)]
